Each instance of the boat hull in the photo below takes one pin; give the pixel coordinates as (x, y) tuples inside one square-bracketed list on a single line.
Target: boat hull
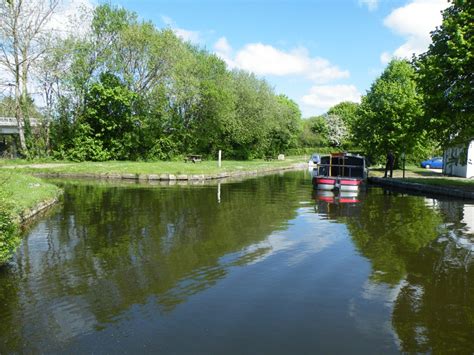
[(337, 184)]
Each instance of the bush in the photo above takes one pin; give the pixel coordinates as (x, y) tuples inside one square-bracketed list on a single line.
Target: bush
[(9, 236), (163, 149), (311, 150), (87, 148)]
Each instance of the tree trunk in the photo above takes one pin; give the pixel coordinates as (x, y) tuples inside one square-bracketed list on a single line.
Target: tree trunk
[(20, 121), (18, 111)]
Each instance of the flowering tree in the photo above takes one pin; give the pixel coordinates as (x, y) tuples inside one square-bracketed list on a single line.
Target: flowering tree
[(337, 130)]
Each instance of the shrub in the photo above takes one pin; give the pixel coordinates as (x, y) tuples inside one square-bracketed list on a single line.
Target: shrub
[(9, 236)]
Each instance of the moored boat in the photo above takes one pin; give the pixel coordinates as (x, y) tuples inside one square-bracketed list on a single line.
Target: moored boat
[(340, 172)]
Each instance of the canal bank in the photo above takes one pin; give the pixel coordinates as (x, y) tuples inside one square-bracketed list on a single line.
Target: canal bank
[(452, 191), (22, 197), (153, 171), (172, 177), (23, 194)]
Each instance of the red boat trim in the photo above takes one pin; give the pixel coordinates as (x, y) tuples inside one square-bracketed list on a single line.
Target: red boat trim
[(326, 199), (348, 200), (350, 182), (325, 181)]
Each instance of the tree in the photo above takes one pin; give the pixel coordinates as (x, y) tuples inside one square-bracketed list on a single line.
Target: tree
[(180, 98), (337, 130), (284, 125), (108, 118), (346, 110), (21, 30), (314, 132), (389, 115), (446, 75), (253, 112)]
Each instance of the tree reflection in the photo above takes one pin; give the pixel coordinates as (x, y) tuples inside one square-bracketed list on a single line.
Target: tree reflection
[(110, 248), (420, 246), (391, 231), (434, 311)]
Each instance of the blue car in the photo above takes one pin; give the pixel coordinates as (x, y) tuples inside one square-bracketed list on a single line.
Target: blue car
[(433, 163)]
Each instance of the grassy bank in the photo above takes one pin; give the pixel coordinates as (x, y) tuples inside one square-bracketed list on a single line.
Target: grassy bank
[(432, 177), (19, 195), (466, 184), (161, 167)]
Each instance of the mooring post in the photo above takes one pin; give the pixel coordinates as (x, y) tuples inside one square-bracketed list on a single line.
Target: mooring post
[(403, 159), (220, 158)]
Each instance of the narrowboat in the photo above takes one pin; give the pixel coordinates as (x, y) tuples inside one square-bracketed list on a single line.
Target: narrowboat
[(340, 172)]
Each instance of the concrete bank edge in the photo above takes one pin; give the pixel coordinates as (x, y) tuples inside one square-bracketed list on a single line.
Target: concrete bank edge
[(172, 177), (26, 215), (432, 189)]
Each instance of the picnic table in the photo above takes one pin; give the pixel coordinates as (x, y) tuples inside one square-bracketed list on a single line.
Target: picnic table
[(193, 157)]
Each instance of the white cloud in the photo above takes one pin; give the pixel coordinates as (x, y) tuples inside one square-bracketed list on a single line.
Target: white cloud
[(186, 35), (223, 47), (385, 57), (224, 51), (263, 59), (167, 20), (371, 4), (415, 21), (325, 96)]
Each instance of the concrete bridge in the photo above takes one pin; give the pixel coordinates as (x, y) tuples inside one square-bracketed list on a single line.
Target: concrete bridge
[(8, 125)]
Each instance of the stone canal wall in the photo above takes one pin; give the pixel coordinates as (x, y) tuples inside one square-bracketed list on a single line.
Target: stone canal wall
[(26, 215), (175, 177), (423, 188)]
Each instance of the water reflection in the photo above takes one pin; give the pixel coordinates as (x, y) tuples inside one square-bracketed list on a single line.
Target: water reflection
[(109, 248), (331, 205), (263, 266), (422, 256)]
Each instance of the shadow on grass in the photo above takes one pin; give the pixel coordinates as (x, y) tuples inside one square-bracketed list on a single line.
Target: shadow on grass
[(428, 172)]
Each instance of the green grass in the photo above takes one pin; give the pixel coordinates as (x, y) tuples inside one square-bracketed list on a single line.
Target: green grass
[(24, 191), (162, 167), (18, 194), (419, 175), (440, 181)]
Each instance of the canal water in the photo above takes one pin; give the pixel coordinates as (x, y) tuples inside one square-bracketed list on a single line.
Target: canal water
[(262, 266)]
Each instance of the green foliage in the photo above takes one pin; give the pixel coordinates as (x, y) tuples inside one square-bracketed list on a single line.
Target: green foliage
[(9, 239), (131, 91), (314, 132), (284, 126), (389, 117), (7, 107), (163, 149), (106, 128), (387, 233), (18, 193), (311, 150), (36, 137), (109, 119), (86, 147), (446, 75), (346, 110)]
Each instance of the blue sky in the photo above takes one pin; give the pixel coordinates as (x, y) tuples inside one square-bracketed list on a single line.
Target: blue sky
[(318, 52)]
